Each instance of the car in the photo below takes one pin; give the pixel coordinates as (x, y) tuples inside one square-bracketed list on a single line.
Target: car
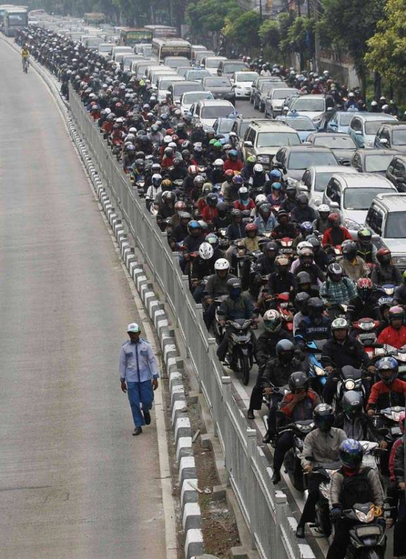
[(264, 138), (221, 87), (176, 61), (207, 111), (342, 145), (339, 121), (187, 99), (128, 59), (223, 127), (211, 63), (316, 178), (164, 82), (302, 124), (392, 136), (196, 49), (396, 172), (229, 67), (261, 93), (372, 160), (241, 124), (387, 218), (242, 82), (201, 55), (352, 195), (312, 106), (105, 49), (197, 74), (364, 126), (275, 100), (259, 79), (182, 71), (178, 88), (293, 161)]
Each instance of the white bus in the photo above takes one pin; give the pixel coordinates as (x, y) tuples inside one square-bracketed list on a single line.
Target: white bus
[(162, 48), (162, 31)]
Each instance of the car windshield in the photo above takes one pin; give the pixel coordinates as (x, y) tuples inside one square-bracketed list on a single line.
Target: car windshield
[(216, 112), (224, 125), (377, 163), (164, 84), (283, 93), (334, 142), (277, 139), (230, 67), (194, 97), (197, 74), (396, 225), (361, 198), (322, 181), (246, 77), (212, 63), (372, 126), (264, 87), (301, 124), (217, 82), (310, 105), (399, 137), (180, 88), (105, 48), (305, 159), (345, 118)]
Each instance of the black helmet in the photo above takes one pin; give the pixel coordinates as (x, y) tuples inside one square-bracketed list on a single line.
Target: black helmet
[(236, 213), (301, 300), (212, 199), (324, 417), (303, 199), (349, 249), (334, 269), (298, 380), (352, 403), (351, 454), (222, 209), (285, 351), (315, 306), (271, 245), (314, 241), (303, 278), (234, 283)]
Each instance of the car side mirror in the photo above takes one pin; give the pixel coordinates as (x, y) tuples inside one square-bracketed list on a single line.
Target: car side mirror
[(358, 132), (334, 205), (248, 144), (383, 141)]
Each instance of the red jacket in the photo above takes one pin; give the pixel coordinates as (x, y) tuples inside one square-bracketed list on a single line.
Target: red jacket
[(304, 407), (233, 165), (209, 213), (328, 239), (380, 389), (393, 337), (240, 206)]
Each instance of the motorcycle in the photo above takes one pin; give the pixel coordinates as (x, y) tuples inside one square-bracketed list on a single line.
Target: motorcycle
[(316, 372), (286, 247), (283, 306), (365, 330), (292, 460), (240, 354), (388, 289), (399, 354), (323, 522), (349, 379), (386, 421), (367, 536)]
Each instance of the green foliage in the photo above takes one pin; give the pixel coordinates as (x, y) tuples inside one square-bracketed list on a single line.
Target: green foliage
[(244, 30), (296, 39), (270, 33), (209, 16)]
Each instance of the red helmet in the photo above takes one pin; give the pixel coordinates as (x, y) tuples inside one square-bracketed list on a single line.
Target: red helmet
[(251, 227), (229, 173), (384, 255), (334, 217)]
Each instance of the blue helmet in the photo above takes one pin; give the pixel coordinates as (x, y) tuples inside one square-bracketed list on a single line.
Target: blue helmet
[(277, 185), (387, 364), (351, 453), (275, 174)]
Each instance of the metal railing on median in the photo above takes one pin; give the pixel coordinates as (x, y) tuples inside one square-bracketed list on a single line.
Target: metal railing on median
[(265, 510)]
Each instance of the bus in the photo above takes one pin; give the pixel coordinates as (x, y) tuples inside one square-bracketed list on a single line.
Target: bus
[(14, 18), (94, 18), (130, 36), (3, 8), (162, 31), (161, 48)]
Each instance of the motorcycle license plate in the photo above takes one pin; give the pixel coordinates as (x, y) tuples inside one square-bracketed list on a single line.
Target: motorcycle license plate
[(395, 431)]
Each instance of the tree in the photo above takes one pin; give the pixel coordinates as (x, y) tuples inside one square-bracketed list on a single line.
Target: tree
[(209, 16), (270, 33), (387, 48), (244, 30)]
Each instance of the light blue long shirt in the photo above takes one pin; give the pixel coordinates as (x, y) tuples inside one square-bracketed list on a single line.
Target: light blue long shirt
[(137, 362)]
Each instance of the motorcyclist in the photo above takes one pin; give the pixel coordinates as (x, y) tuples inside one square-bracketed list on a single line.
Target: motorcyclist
[(237, 305), (400, 293), (290, 201), (351, 484), (321, 223), (284, 228), (337, 289), (365, 248), (341, 350), (356, 423), (223, 218), (258, 177), (276, 197), (336, 234), (365, 304), (320, 256), (300, 304), (306, 264), (320, 447), (265, 220), (281, 281), (244, 201), (216, 287), (180, 231), (395, 333), (315, 326), (297, 405), (248, 170), (353, 265), (266, 262), (385, 271), (231, 186), (210, 211), (236, 229), (303, 212), (232, 161)]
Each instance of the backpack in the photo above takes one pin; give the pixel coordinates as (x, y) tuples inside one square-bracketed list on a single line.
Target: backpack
[(355, 489)]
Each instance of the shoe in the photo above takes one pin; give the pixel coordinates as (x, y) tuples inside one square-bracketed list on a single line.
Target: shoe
[(267, 439), (137, 431), (300, 532), (147, 417), (250, 414), (276, 477)]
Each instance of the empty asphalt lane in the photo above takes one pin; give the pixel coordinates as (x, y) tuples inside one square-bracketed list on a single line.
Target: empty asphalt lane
[(74, 483)]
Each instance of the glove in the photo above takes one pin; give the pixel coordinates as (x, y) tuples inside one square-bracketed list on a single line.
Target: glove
[(335, 513)]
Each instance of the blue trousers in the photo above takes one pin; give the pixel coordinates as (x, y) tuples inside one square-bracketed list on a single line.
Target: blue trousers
[(140, 393)]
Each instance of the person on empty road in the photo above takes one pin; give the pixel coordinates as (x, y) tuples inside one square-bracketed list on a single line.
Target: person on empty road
[(138, 376)]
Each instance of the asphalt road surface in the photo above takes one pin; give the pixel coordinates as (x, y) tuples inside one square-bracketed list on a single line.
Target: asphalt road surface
[(74, 483)]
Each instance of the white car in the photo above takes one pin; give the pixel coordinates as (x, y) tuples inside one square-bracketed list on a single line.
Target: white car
[(209, 110), (211, 63), (309, 105), (242, 82), (191, 97), (315, 180)]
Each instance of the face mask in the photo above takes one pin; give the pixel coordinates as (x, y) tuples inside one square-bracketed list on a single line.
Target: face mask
[(235, 293)]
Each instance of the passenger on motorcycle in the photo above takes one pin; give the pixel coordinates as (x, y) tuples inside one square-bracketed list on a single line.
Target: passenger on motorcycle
[(354, 267), (265, 220), (305, 263), (244, 201), (315, 326), (297, 405), (389, 391), (321, 223), (231, 186), (181, 231), (337, 289), (290, 201), (300, 305), (274, 176), (319, 254), (303, 212), (250, 241), (385, 272), (237, 305), (365, 304), (395, 333), (285, 227), (321, 446), (365, 248), (339, 351), (351, 484), (232, 162), (335, 234), (281, 281), (276, 197)]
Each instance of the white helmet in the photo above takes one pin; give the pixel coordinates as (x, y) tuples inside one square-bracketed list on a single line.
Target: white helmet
[(221, 264), (258, 168), (206, 251), (302, 245), (243, 190), (218, 163), (260, 198), (324, 208)]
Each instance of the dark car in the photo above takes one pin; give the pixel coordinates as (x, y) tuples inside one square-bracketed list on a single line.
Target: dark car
[(396, 172), (391, 136), (293, 161), (263, 90), (221, 87), (342, 145), (372, 160)]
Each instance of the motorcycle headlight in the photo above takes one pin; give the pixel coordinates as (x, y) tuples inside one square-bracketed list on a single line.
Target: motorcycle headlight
[(366, 518), (349, 385), (319, 371)]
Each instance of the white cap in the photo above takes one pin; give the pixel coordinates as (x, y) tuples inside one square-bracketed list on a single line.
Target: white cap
[(133, 327)]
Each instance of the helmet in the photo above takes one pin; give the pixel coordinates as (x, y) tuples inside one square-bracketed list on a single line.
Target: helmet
[(275, 174), (156, 179), (218, 163), (260, 199), (265, 208), (285, 351), (306, 228), (396, 313), (252, 159), (298, 380), (352, 403), (351, 454), (271, 245), (232, 154), (193, 226), (334, 218), (258, 168), (282, 213), (235, 212), (243, 192), (234, 287), (206, 251), (180, 206), (303, 278), (272, 321), (301, 300), (221, 264), (168, 196), (213, 240), (302, 245), (339, 324), (314, 241), (387, 364), (198, 180), (349, 249), (166, 184), (323, 417), (364, 235), (335, 269), (315, 306), (193, 170), (276, 185), (251, 227), (237, 179), (282, 262), (303, 199), (212, 199), (384, 256), (364, 288)]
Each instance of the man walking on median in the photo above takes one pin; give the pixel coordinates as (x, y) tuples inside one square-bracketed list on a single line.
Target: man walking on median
[(138, 376)]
